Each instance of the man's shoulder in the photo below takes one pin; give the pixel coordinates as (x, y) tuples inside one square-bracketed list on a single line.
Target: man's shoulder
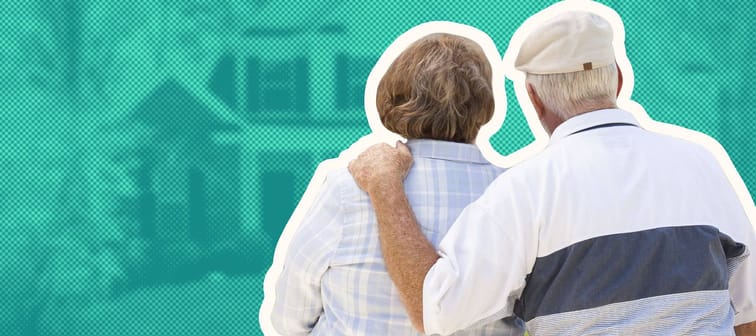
[(533, 166), (680, 148)]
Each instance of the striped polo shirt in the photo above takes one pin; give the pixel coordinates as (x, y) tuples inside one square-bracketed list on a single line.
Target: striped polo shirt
[(611, 230)]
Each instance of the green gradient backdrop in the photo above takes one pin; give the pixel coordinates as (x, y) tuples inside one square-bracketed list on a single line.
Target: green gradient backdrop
[(152, 151)]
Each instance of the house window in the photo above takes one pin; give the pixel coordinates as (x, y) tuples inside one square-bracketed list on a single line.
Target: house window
[(277, 89), (351, 75)]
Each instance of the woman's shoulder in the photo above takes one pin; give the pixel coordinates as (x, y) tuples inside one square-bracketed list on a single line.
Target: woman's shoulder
[(334, 173)]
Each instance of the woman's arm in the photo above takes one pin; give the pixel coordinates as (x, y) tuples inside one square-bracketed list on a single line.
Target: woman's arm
[(298, 303)]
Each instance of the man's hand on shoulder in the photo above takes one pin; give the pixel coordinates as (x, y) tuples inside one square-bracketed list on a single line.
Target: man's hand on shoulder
[(381, 165), (748, 329)]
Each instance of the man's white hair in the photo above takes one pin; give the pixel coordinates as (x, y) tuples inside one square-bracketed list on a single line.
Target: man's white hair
[(572, 93)]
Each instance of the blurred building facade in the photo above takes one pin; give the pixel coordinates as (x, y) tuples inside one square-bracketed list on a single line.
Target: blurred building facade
[(150, 143)]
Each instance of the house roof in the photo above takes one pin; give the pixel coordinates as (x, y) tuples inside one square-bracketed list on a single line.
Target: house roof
[(176, 111)]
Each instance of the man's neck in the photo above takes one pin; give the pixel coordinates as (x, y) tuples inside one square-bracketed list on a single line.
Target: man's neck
[(551, 124)]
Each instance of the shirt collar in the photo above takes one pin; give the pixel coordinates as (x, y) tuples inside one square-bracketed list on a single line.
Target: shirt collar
[(590, 119), (445, 150)]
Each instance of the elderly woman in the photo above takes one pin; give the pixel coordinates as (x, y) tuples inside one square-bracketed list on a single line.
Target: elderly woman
[(437, 94)]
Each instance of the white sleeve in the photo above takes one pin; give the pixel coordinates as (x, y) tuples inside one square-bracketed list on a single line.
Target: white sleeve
[(485, 258), (742, 285), (743, 290), (735, 217)]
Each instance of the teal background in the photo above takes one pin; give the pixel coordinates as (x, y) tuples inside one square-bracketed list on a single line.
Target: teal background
[(152, 150)]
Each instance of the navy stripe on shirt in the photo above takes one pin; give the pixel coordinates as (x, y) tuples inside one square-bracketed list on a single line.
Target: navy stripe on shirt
[(628, 266)]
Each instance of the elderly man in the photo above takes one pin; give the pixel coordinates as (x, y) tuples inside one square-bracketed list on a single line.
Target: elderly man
[(612, 229)]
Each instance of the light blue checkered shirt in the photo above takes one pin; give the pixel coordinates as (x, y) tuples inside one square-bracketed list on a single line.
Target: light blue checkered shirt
[(334, 281)]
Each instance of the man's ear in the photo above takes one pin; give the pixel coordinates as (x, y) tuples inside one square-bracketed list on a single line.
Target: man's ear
[(619, 80), (535, 100)]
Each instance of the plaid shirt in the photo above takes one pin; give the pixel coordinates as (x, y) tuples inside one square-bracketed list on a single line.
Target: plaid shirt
[(334, 281)]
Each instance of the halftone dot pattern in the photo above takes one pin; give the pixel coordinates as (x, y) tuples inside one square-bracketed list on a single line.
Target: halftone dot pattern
[(153, 151), (693, 66), (514, 133)]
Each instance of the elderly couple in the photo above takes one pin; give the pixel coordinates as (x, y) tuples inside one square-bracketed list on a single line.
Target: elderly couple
[(611, 230)]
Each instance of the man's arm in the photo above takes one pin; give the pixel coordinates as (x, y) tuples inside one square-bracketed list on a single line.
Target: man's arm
[(406, 251), (748, 329), (481, 264)]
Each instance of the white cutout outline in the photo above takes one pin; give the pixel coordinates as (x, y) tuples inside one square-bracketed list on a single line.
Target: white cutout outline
[(500, 68)]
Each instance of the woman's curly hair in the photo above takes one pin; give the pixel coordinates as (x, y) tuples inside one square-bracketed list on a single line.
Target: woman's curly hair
[(438, 88)]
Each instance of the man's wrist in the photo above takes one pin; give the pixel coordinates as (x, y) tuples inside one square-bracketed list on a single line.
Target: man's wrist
[(386, 187)]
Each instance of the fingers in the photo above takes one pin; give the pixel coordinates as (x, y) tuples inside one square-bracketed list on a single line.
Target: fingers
[(364, 167), (380, 163), (403, 148), (405, 157)]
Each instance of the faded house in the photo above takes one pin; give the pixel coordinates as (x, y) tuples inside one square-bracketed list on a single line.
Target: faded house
[(231, 141), (184, 199), (298, 86), (219, 165), (193, 180)]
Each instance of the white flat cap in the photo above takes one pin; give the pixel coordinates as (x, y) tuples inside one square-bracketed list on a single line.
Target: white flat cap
[(570, 42)]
